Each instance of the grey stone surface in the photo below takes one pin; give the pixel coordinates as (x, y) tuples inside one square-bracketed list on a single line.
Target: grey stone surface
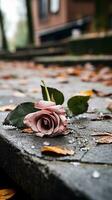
[(49, 177), (99, 154)]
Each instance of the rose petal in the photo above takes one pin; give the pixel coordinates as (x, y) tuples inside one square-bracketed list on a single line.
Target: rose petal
[(44, 104), (39, 123), (63, 119), (50, 106), (56, 122), (39, 134), (31, 119), (57, 108), (50, 131)]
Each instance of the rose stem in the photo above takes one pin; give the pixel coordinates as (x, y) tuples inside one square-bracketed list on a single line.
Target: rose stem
[(46, 90)]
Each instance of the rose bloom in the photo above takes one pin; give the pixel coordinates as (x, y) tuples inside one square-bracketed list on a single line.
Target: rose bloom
[(49, 120)]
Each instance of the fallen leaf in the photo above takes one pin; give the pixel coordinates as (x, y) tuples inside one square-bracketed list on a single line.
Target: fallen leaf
[(27, 130), (7, 107), (103, 71), (101, 117), (8, 77), (105, 116), (108, 82), (101, 134), (23, 81), (109, 107), (63, 80), (57, 150), (87, 76), (101, 94), (6, 193), (18, 94), (35, 90), (75, 71), (86, 93), (104, 140)]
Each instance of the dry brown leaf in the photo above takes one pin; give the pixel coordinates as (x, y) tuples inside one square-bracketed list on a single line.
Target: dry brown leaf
[(76, 71), (57, 150), (23, 82), (8, 77), (62, 75), (18, 94), (108, 82), (6, 193), (101, 134), (27, 130), (35, 90), (7, 107), (101, 94), (104, 140), (109, 107), (87, 76), (63, 80)]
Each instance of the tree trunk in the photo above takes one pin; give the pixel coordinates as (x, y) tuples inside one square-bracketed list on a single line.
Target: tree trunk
[(101, 20), (29, 22), (4, 39)]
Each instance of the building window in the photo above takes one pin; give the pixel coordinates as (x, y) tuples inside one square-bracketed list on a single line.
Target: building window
[(43, 9), (54, 6)]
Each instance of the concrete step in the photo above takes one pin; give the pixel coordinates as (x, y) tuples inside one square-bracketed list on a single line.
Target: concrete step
[(86, 175), (70, 60), (46, 45), (7, 183), (30, 54)]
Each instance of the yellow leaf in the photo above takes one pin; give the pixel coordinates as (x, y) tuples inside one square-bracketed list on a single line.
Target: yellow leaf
[(57, 150), (7, 107), (27, 130), (87, 93), (6, 193)]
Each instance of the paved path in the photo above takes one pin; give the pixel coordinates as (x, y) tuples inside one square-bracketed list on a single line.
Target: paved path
[(85, 175)]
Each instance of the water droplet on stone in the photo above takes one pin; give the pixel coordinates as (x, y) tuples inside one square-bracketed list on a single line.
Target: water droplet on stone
[(71, 141), (79, 142), (9, 127), (84, 117), (101, 114), (75, 164), (46, 143), (85, 149), (11, 101), (33, 147), (96, 174), (81, 127)]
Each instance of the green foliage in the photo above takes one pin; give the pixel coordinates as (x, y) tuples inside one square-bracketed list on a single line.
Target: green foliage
[(21, 35), (55, 95), (16, 117), (78, 104)]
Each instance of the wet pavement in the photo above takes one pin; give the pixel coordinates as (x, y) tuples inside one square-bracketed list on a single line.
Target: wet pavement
[(85, 175)]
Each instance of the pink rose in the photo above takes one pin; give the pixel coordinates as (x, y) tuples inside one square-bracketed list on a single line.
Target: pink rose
[(50, 120)]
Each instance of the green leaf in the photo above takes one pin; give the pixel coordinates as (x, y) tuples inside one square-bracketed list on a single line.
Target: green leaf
[(78, 104), (16, 117), (55, 95)]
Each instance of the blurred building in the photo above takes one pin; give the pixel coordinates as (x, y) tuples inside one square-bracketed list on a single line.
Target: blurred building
[(57, 19)]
